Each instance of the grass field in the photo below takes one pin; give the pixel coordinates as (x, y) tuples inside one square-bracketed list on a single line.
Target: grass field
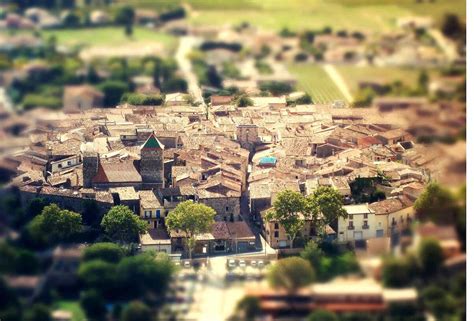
[(364, 15), (315, 81), (74, 307), (110, 37), (353, 74)]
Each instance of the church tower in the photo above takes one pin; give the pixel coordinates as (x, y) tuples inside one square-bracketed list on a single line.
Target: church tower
[(151, 163)]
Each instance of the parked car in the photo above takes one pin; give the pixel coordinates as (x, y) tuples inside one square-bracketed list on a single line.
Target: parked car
[(242, 264), (231, 264), (253, 263), (187, 264), (261, 264)]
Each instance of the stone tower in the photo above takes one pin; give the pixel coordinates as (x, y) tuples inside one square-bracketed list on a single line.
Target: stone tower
[(90, 166), (151, 163)]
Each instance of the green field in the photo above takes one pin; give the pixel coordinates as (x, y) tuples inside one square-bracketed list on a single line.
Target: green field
[(364, 15), (314, 80), (353, 74), (74, 307), (110, 37)]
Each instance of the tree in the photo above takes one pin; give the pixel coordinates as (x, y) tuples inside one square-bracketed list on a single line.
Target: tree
[(291, 274), (98, 275), (113, 91), (436, 204), (423, 81), (322, 315), (93, 305), (451, 26), (125, 15), (143, 275), (314, 255), (38, 312), (71, 20), (289, 211), (10, 307), (396, 273), (136, 311), (122, 225), (108, 252), (325, 206), (55, 224), (191, 219), (243, 101), (430, 255), (249, 306)]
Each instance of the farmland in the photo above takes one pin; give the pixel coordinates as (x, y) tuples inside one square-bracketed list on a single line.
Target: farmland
[(353, 74), (365, 15), (109, 37), (315, 81)]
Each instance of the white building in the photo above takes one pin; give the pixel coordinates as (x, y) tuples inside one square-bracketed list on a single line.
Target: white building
[(359, 225)]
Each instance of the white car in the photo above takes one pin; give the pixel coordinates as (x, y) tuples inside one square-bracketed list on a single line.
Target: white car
[(187, 264), (231, 263), (242, 264), (253, 263), (261, 264)]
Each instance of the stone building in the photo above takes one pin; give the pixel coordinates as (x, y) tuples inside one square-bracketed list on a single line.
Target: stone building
[(247, 135), (151, 163)]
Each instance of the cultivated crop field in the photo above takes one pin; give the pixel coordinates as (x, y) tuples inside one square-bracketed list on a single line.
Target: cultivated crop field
[(315, 81), (109, 37)]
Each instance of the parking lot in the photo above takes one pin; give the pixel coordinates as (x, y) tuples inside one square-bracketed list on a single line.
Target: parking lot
[(208, 289)]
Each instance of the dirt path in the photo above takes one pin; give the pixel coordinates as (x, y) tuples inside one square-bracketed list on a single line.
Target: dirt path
[(186, 44), (339, 81)]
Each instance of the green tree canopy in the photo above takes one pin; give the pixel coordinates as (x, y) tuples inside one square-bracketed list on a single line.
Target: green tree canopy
[(191, 219), (325, 206), (289, 210), (291, 274), (122, 225), (143, 275), (108, 252), (125, 15), (431, 257), (93, 304), (249, 307), (136, 311), (436, 204), (55, 224), (397, 273), (322, 315), (37, 312), (98, 275)]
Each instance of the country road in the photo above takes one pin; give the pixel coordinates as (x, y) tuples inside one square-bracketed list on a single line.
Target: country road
[(339, 81), (186, 44), (448, 47)]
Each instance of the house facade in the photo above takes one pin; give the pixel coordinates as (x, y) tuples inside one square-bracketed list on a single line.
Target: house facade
[(360, 224)]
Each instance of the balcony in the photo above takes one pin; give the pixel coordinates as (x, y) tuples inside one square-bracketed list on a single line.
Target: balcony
[(365, 227), (350, 227)]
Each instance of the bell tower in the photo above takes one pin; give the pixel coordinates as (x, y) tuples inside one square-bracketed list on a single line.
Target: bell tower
[(151, 163)]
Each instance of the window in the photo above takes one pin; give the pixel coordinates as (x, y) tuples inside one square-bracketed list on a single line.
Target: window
[(158, 213), (276, 226), (351, 225), (69, 163), (366, 215), (312, 231), (227, 208), (60, 165), (277, 234), (351, 217)]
